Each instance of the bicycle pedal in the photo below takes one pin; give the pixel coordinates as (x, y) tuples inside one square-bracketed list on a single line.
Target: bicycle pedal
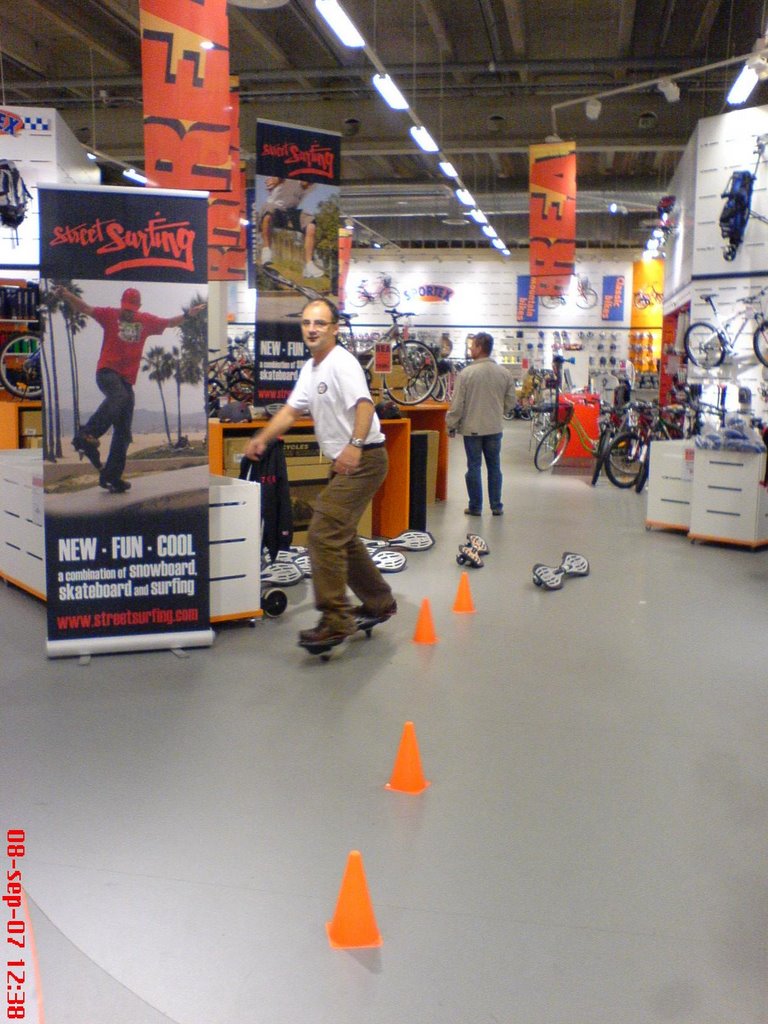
[(468, 556), (548, 576), (574, 565), (477, 542)]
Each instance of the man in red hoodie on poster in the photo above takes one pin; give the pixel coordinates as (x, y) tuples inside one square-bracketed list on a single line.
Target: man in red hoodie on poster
[(125, 331)]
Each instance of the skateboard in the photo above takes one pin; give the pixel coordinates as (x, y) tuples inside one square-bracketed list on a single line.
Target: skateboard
[(364, 624), (551, 577), (475, 541), (87, 449), (469, 556)]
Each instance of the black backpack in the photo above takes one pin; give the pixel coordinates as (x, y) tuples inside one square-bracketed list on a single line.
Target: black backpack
[(14, 195)]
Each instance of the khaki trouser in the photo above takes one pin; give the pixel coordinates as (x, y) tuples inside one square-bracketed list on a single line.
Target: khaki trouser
[(339, 558)]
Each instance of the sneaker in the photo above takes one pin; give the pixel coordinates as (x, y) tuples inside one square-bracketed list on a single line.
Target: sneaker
[(119, 486), (325, 634), (361, 612), (473, 512), (266, 255), (312, 270), (87, 446), (498, 511)]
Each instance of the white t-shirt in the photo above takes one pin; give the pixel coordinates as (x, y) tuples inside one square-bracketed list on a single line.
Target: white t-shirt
[(330, 391)]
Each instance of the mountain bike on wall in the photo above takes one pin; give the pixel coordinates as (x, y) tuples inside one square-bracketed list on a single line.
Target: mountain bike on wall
[(738, 206), (708, 344), (585, 297), (20, 366)]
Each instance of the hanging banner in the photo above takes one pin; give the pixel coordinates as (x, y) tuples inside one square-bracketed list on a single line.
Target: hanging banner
[(552, 216), (295, 244), (185, 78), (125, 459), (226, 212), (614, 288)]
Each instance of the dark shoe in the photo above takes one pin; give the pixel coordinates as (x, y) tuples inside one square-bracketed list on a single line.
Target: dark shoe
[(361, 612), (119, 486), (87, 446), (473, 512), (324, 634), (498, 511)]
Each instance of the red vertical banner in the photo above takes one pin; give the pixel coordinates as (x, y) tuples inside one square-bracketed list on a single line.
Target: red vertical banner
[(552, 216), (345, 256), (185, 76), (226, 211)]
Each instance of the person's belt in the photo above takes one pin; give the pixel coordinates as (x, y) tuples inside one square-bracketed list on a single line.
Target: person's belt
[(376, 444)]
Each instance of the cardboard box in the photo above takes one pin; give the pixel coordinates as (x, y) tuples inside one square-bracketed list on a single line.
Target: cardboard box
[(31, 422), (433, 447)]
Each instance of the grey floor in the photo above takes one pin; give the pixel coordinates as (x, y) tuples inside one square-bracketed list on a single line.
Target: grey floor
[(592, 849)]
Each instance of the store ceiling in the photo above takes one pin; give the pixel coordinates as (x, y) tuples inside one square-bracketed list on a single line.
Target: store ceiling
[(483, 76)]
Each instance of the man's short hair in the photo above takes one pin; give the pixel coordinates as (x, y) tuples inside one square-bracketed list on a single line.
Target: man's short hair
[(329, 306), (485, 342)]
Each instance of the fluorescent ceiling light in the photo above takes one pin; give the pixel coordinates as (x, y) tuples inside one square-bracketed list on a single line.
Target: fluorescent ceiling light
[(478, 216), (338, 19), (421, 136), (464, 196), (91, 156), (489, 231), (134, 175), (389, 92), (448, 169), (742, 88), (497, 242), (207, 45), (505, 252)]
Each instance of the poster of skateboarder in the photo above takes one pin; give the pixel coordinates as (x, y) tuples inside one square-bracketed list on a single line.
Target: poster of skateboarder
[(295, 244), (125, 460)]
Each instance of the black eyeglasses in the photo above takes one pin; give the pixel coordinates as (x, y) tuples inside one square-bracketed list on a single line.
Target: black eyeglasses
[(317, 323)]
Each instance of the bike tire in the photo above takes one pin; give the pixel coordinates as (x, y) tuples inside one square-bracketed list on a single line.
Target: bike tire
[(760, 342), (705, 345), (550, 448), (586, 299), (642, 476), (390, 297), (360, 299), (603, 444), (414, 373), (552, 301), (623, 461), (17, 376)]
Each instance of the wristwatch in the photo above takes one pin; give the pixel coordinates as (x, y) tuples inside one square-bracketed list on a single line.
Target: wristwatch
[(357, 442)]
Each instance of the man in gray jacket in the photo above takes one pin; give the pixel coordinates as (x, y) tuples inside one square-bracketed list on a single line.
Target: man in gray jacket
[(484, 392)]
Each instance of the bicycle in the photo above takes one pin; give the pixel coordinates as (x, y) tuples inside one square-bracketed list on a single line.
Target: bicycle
[(643, 299), (586, 297), (231, 376), (707, 344), (556, 438), (627, 463), (20, 366), (413, 374), (382, 291)]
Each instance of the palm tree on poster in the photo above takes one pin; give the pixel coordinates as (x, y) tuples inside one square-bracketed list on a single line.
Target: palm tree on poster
[(52, 446), (189, 359), (159, 364)]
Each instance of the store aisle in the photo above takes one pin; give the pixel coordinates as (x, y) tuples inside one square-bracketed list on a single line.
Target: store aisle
[(592, 848)]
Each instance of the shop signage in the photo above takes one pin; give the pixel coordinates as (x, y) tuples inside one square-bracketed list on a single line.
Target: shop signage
[(527, 300), (10, 123), (429, 293), (613, 297), (552, 216)]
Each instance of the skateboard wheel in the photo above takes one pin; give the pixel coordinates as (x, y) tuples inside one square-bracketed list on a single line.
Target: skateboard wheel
[(274, 603)]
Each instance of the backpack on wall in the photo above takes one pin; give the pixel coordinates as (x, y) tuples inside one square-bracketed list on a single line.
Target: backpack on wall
[(14, 195)]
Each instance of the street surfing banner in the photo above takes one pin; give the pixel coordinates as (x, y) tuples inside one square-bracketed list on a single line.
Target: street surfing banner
[(125, 458), (295, 245)]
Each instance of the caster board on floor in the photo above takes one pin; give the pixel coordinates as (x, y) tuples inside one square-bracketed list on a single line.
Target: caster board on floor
[(471, 552), (551, 577), (364, 624)]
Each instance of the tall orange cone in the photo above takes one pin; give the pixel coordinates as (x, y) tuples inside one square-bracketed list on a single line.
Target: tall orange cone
[(407, 776), (425, 628), (464, 602), (354, 923)]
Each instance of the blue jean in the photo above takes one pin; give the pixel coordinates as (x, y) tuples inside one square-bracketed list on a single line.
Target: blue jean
[(477, 447), (115, 411)]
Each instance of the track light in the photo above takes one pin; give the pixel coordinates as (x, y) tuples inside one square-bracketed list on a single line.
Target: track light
[(422, 137), (592, 109), (669, 90), (464, 196), (338, 20), (448, 169), (389, 92)]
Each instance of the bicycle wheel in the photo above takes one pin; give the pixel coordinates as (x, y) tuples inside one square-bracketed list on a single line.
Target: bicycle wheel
[(390, 297), (603, 444), (705, 345), (624, 459), (360, 298), (760, 342), (414, 373), (586, 299), (642, 476), (20, 371), (550, 448), (552, 301)]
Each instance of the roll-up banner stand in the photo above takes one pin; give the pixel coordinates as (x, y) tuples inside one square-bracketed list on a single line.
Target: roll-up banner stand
[(295, 245), (125, 457)]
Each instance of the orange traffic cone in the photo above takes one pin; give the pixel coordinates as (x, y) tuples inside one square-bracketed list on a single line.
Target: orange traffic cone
[(407, 776), (425, 629), (464, 602), (354, 923)]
